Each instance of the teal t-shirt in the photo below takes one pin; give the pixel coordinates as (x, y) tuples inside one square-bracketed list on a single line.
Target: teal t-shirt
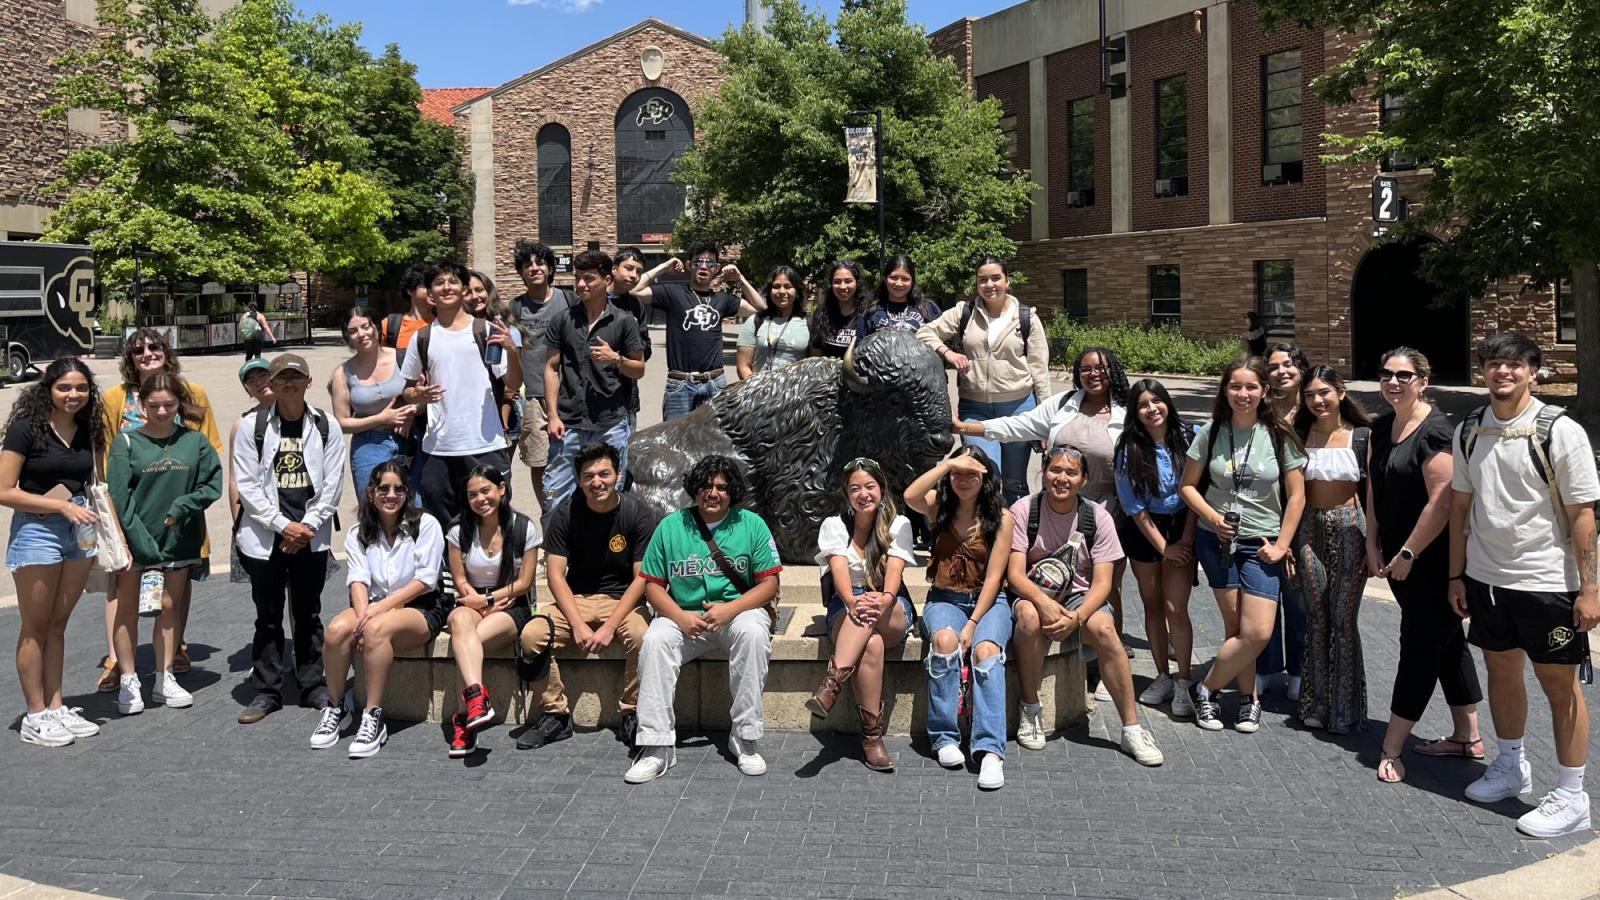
[(679, 560), (1251, 458)]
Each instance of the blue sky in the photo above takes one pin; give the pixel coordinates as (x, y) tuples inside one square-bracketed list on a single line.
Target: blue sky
[(484, 43)]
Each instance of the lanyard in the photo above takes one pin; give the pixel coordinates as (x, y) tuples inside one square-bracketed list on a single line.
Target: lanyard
[(772, 342), (1235, 464)]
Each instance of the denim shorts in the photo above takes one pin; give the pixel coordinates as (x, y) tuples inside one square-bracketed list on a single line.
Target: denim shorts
[(1243, 571), (43, 540), (836, 608)]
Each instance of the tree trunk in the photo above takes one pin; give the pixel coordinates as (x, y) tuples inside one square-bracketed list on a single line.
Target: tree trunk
[(1586, 301)]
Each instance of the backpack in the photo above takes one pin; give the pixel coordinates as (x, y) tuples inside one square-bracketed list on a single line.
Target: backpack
[(510, 410), (1055, 573), (1359, 439), (250, 328), (318, 420), (1086, 523), (958, 342), (1538, 438)]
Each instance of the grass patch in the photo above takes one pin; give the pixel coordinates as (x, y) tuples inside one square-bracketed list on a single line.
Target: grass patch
[(1142, 349)]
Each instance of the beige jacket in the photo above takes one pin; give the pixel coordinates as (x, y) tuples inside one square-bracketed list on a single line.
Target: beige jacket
[(1004, 375)]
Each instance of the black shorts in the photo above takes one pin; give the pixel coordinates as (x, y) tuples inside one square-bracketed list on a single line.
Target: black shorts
[(1134, 543), (1538, 623)]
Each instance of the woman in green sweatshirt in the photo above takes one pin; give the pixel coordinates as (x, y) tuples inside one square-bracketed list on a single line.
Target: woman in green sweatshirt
[(162, 477)]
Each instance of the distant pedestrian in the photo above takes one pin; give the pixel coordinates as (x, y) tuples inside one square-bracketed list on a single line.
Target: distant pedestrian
[(254, 330), (1255, 334)]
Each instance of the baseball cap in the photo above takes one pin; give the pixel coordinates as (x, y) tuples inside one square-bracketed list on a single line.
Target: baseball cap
[(252, 366), (288, 362)]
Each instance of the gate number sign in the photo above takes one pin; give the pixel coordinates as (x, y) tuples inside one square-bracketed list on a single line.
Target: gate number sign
[(1388, 206)]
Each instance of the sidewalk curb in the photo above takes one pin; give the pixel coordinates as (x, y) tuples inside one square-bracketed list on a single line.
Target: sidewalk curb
[(18, 889), (1573, 875)]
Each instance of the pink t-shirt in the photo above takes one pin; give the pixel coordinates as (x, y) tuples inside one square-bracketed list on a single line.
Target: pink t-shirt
[(1055, 530)]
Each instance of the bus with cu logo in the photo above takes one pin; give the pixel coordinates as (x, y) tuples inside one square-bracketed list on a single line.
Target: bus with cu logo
[(47, 298)]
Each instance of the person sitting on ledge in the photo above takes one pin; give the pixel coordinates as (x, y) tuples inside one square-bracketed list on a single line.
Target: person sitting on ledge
[(594, 547), (711, 574)]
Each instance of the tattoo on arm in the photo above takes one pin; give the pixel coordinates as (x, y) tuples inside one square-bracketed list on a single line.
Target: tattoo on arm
[(1587, 554)]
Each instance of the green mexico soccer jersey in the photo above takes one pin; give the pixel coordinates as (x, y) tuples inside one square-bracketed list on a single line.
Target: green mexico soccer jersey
[(679, 560)]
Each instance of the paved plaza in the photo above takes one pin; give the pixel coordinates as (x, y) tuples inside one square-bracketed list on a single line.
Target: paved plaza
[(187, 802)]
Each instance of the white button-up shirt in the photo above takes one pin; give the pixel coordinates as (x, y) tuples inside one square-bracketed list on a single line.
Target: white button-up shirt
[(386, 567)]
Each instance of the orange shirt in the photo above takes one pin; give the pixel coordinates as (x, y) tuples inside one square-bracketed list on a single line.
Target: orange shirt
[(409, 325)]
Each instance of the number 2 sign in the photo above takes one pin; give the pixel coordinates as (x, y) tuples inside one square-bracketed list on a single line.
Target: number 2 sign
[(1388, 206)]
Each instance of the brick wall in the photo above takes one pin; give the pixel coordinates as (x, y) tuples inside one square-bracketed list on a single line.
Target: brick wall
[(33, 34), (1252, 200), (954, 42), (1072, 75), (1010, 87), (1170, 47)]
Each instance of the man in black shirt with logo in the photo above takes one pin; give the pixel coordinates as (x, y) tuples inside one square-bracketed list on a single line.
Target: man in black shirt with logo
[(594, 544), (694, 327)]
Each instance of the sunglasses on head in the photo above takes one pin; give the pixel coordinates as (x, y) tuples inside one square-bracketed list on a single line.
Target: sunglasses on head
[(1392, 375)]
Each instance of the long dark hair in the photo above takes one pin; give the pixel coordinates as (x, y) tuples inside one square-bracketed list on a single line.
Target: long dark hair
[(797, 309), (179, 389), (882, 537), (1222, 411), (35, 407), (991, 499), (1297, 358), (914, 298), (467, 523), (369, 523), (130, 371), (828, 312), (1136, 448), (360, 311), (1116, 378), (1350, 410)]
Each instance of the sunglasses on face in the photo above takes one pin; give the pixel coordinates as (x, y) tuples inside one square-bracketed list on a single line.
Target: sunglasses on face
[(150, 348), (388, 489), (704, 264), (1401, 377)]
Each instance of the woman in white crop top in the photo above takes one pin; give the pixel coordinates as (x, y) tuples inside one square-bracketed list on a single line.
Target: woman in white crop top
[(1330, 555)]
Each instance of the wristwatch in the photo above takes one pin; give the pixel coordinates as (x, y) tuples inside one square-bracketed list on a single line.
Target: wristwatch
[(1406, 554)]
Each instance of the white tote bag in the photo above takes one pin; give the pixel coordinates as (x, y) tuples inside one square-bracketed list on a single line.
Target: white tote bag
[(111, 549)]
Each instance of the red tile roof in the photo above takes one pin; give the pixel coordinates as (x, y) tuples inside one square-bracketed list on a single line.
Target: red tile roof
[(437, 103)]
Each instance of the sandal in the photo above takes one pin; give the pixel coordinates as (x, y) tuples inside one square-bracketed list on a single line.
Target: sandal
[(1390, 769), (110, 680), (1451, 747)]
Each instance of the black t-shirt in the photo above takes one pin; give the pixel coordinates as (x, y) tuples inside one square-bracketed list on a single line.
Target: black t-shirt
[(289, 470), (903, 316), (46, 462), (630, 304), (592, 395), (600, 548), (694, 325), (831, 333), (1399, 492)]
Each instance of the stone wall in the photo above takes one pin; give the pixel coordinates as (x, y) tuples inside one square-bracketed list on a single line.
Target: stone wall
[(33, 35)]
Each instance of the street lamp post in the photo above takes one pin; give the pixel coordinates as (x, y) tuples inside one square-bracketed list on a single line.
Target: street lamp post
[(877, 144)]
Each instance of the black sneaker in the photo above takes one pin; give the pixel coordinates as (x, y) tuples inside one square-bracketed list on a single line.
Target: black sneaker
[(1208, 713), (547, 730), (1249, 720), (259, 708), (319, 699), (628, 731)]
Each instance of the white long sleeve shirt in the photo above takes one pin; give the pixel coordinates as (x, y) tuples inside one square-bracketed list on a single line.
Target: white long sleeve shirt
[(386, 567), (1045, 421), (258, 491)]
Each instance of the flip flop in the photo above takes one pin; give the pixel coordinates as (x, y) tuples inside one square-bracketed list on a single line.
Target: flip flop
[(1391, 770), (1450, 747)]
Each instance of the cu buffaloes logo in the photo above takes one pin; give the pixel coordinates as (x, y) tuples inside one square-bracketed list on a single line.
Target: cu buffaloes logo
[(618, 543), (1559, 637), (69, 299)]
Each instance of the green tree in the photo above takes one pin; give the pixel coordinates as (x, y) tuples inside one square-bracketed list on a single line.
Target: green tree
[(1500, 99), (769, 173)]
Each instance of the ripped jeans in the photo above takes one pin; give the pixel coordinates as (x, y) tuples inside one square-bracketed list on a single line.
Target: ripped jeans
[(951, 609)]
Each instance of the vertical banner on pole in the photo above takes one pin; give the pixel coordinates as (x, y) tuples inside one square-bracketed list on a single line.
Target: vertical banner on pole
[(862, 144)]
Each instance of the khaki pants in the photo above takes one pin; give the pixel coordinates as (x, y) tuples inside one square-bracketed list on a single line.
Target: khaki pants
[(595, 609)]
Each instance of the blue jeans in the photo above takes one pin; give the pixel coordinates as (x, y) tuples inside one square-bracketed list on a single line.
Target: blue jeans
[(1012, 457), (1288, 634), (560, 480), (368, 450), (949, 609), (684, 397), (44, 539)]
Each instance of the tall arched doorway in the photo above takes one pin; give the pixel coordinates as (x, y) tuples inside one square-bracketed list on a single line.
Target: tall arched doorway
[(654, 128), (1391, 304)]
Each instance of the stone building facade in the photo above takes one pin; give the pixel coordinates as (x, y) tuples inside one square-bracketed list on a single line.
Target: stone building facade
[(580, 151), (1205, 94)]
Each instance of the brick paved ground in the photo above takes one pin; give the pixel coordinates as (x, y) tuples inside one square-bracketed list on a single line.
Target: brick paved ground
[(187, 802)]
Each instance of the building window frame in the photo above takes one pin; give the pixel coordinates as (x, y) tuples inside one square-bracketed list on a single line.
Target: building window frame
[(1282, 108), (553, 159), (1275, 298), (1391, 108), (1008, 140), (1075, 295), (1172, 135), (1566, 313), (1166, 295), (1080, 151)]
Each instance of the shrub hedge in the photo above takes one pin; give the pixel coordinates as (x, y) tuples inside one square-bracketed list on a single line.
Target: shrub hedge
[(1142, 349)]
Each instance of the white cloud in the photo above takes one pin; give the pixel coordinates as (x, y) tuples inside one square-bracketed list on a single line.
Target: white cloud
[(568, 6)]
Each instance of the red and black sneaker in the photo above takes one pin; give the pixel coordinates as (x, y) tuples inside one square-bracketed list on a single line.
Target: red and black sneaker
[(478, 712), (462, 741)]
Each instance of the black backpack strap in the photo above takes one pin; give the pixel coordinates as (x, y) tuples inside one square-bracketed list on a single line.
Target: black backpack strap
[(260, 429), (1360, 440), (1469, 431), (1035, 509), (1205, 461), (1088, 522), (1025, 319), (958, 342), (391, 330)]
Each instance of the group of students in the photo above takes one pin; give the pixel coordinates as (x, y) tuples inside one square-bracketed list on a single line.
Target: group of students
[(1288, 498)]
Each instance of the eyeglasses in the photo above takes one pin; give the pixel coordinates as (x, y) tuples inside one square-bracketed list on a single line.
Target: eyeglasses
[(446, 281), (1392, 375), (1096, 370), (704, 264), (388, 489)]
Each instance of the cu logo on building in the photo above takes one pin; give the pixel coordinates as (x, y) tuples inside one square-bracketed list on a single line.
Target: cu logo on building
[(656, 111), (69, 299)]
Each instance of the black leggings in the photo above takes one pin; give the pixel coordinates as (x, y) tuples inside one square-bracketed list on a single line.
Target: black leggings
[(1433, 647)]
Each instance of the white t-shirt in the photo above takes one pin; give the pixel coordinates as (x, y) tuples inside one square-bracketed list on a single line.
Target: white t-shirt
[(385, 568), (1515, 541), (834, 540), (483, 570), (467, 420)]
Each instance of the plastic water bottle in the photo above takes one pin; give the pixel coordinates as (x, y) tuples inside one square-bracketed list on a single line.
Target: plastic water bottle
[(492, 353), (87, 539)]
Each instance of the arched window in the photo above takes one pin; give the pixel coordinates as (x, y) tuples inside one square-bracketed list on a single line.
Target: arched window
[(555, 185), (654, 128)]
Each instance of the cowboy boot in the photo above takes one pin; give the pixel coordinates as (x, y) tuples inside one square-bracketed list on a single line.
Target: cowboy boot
[(822, 699), (873, 753)]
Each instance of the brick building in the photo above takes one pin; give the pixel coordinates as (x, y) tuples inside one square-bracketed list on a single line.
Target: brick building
[(1192, 190), (582, 150)]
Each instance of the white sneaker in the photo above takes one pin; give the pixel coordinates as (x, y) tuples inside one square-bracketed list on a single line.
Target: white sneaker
[(1102, 694), (951, 757), (1159, 691), (1030, 731), (129, 701), (991, 773), (1293, 691), (372, 735), (1182, 699), (1142, 747), (750, 761), (1507, 776), (327, 733), (43, 729), (168, 692), (75, 724), (1559, 813), (653, 762)]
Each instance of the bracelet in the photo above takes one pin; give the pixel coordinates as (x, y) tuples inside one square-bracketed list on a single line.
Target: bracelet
[(1458, 577)]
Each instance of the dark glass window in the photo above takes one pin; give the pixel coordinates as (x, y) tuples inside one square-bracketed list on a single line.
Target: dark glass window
[(1390, 108), (1280, 112), (1166, 289), (654, 128), (1075, 294), (1566, 313), (1008, 140), (554, 146), (1172, 133), (1080, 150), (1275, 297)]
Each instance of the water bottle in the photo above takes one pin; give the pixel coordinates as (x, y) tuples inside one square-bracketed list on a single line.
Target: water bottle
[(1231, 518), (86, 536), (492, 353)]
